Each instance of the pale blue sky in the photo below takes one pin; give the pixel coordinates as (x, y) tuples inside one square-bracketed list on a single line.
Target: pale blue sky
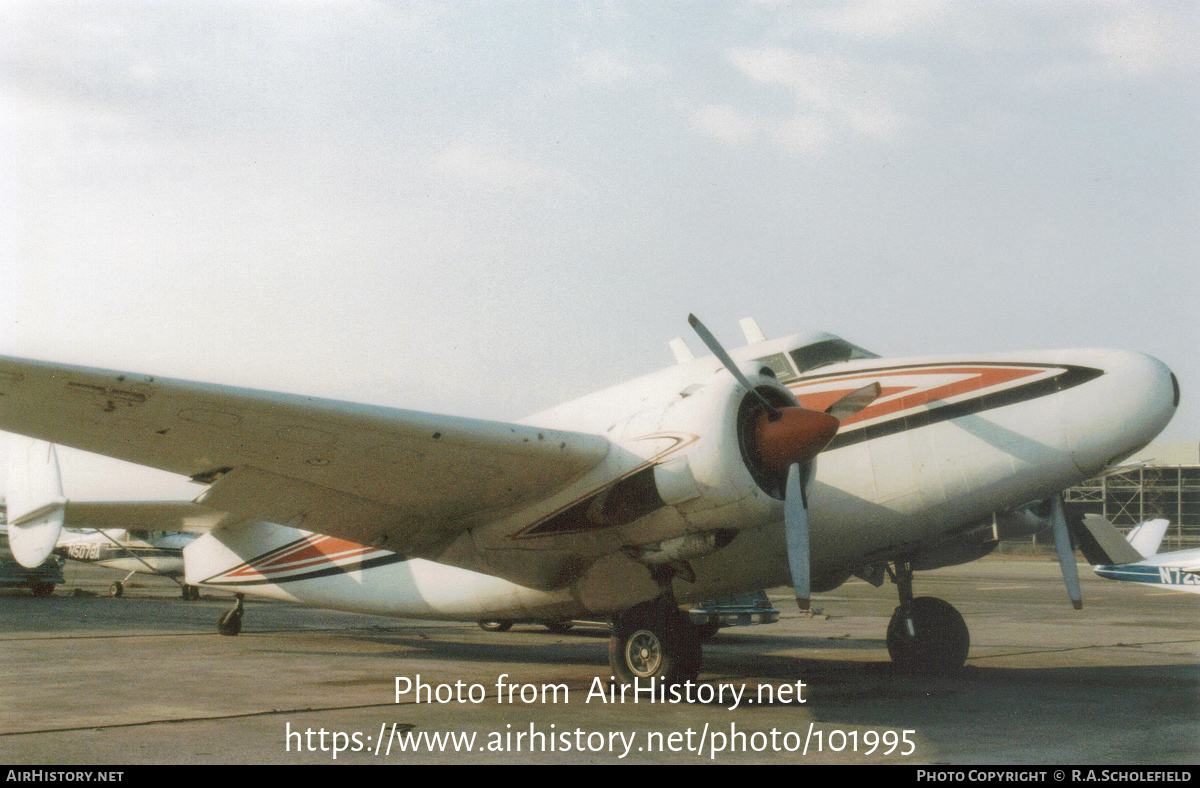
[(485, 209)]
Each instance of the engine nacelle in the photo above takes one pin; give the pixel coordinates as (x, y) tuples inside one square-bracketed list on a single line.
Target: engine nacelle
[(716, 481), (1025, 521)]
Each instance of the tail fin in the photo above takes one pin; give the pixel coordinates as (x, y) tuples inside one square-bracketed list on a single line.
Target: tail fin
[(1102, 544), (1148, 536), (36, 506)]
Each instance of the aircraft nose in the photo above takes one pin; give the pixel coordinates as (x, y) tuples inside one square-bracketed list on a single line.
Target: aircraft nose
[(1119, 412)]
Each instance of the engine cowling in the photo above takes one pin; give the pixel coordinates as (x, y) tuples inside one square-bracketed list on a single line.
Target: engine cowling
[(721, 479)]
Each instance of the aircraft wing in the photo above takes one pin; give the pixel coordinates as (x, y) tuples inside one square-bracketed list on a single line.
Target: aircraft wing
[(399, 479)]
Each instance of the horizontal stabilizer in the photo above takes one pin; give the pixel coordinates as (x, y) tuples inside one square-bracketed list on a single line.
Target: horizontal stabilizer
[(181, 516), (1103, 545), (35, 500)]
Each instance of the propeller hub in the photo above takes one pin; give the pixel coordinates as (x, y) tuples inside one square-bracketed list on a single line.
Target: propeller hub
[(795, 437)]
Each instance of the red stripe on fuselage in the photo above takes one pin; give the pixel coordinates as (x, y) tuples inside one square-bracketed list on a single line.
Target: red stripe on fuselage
[(314, 550), (888, 403)]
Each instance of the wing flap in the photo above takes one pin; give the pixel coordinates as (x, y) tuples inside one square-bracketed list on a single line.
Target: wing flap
[(259, 495)]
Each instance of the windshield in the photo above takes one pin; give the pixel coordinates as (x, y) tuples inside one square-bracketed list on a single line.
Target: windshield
[(829, 351)]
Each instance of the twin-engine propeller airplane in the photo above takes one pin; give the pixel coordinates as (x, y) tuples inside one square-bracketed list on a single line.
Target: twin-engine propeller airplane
[(800, 460)]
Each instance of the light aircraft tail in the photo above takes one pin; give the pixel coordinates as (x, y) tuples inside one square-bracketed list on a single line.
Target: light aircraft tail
[(36, 505), (1102, 544), (1147, 537)]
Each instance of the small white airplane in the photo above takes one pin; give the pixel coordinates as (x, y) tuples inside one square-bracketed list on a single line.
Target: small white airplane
[(109, 536), (1135, 559), (130, 551), (801, 460)]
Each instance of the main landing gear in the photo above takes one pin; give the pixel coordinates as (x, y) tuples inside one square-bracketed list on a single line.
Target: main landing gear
[(926, 634), (230, 622), (655, 640), (189, 593)]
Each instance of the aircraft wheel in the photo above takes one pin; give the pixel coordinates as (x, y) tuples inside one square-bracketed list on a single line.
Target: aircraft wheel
[(190, 593), (42, 588), (495, 626), (558, 627), (654, 640), (116, 589), (707, 631), (938, 641), (230, 623)]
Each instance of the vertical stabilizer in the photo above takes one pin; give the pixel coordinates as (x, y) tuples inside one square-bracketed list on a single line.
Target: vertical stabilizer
[(36, 505), (1147, 537)]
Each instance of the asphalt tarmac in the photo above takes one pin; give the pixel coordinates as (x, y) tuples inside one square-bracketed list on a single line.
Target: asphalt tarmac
[(147, 679)]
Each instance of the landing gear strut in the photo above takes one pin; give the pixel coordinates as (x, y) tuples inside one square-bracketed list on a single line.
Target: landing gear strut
[(230, 622), (926, 634), (117, 589), (189, 593)]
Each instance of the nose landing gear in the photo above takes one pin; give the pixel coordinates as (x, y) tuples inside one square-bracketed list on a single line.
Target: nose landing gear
[(925, 635)]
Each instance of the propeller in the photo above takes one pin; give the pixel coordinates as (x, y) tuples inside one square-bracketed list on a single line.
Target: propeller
[(718, 351), (789, 438), (1066, 553)]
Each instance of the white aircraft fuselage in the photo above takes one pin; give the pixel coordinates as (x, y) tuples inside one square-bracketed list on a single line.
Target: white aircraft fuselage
[(928, 473), (1177, 571), (117, 548)]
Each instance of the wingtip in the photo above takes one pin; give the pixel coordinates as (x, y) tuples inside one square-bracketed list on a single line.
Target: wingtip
[(692, 320)]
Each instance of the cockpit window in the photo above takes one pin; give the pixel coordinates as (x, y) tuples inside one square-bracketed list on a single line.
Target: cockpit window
[(829, 351), (779, 364)]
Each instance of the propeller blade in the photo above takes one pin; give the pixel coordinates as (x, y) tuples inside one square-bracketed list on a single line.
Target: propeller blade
[(718, 351), (1066, 553), (855, 401), (795, 527)]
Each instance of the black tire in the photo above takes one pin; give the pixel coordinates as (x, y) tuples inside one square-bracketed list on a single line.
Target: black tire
[(190, 593), (230, 623), (558, 627), (941, 643), (42, 588), (708, 631), (495, 626), (654, 640), (116, 590)]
